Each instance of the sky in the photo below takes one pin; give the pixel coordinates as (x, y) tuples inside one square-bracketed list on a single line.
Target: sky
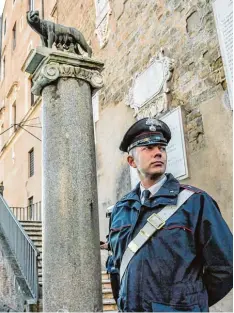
[(1, 6)]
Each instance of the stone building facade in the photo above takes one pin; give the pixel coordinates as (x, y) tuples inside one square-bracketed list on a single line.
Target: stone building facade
[(126, 35), (17, 105)]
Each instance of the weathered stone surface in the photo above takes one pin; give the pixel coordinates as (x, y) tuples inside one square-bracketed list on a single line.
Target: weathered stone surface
[(70, 229), (72, 272)]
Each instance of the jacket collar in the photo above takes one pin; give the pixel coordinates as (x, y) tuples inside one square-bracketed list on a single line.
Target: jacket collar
[(167, 194)]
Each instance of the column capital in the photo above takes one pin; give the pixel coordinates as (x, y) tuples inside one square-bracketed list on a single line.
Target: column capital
[(46, 66)]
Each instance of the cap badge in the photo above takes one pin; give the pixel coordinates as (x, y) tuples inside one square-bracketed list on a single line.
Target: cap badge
[(152, 124)]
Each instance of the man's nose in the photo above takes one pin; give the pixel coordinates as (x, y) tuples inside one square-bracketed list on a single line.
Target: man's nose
[(157, 151)]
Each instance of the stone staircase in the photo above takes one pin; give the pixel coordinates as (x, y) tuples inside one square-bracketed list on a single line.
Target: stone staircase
[(34, 231)]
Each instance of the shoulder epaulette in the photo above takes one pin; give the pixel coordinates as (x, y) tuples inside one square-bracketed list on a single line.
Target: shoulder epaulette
[(191, 188)]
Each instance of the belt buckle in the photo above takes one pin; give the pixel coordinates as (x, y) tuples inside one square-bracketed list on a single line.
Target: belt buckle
[(152, 217)]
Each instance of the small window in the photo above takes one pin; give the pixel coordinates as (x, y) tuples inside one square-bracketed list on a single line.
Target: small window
[(31, 5), (32, 95), (14, 116), (14, 37), (31, 162), (1, 137), (30, 208), (4, 27), (21, 23), (30, 201), (1, 188), (3, 67)]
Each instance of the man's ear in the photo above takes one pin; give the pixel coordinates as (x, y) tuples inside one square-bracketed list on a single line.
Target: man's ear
[(131, 161)]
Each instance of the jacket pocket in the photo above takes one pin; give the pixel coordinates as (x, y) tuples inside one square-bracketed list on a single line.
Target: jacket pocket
[(161, 307)]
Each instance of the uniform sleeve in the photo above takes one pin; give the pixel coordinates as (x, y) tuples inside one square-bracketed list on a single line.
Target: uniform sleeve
[(110, 222), (216, 242)]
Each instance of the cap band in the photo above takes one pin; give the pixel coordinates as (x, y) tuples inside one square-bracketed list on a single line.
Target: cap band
[(151, 140)]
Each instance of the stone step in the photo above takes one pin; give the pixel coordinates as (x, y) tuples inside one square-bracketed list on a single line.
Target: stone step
[(105, 275), (31, 223), (37, 243), (109, 301), (107, 293), (106, 284), (33, 229), (34, 236), (109, 305), (39, 249), (110, 308)]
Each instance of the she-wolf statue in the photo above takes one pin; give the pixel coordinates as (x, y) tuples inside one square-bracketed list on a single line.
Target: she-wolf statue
[(63, 37)]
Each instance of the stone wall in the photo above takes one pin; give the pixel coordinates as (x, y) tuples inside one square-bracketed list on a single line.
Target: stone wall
[(13, 291), (135, 34)]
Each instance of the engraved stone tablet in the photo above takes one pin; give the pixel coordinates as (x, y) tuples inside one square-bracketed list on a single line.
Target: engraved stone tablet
[(103, 11), (150, 92), (223, 11), (176, 153), (148, 84)]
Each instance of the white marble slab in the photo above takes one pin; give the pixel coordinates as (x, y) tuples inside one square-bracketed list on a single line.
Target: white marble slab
[(148, 84), (223, 12)]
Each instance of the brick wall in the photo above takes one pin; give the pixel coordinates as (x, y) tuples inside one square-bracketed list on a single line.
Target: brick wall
[(137, 31)]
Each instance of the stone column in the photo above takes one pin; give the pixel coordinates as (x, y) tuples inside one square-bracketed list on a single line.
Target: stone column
[(71, 254)]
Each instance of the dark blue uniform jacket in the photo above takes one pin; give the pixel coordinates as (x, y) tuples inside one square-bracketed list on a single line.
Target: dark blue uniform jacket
[(185, 266)]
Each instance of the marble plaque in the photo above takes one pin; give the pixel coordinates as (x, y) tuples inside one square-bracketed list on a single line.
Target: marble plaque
[(148, 84), (176, 153), (102, 20), (150, 91), (223, 12)]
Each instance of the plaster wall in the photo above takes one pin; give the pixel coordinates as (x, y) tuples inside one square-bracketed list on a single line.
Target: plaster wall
[(14, 165)]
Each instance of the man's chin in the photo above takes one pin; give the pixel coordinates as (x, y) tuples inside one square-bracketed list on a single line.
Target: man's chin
[(156, 175)]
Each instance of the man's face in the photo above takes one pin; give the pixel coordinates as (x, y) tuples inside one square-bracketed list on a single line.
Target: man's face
[(150, 161)]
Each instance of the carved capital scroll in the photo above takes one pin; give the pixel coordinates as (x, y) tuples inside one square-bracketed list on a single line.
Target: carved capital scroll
[(51, 72)]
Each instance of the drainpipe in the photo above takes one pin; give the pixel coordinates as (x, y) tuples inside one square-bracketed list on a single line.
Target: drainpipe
[(42, 9)]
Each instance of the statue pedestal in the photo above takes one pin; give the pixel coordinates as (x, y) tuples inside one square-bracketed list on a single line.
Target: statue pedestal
[(71, 254)]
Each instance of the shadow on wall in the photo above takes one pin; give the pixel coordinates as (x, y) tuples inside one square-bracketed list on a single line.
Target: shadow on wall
[(123, 182)]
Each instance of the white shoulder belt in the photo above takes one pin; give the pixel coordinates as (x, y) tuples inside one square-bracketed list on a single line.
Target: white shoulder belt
[(154, 223)]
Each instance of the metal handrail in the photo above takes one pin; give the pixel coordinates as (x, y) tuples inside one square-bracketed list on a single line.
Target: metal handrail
[(21, 246), (31, 212)]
